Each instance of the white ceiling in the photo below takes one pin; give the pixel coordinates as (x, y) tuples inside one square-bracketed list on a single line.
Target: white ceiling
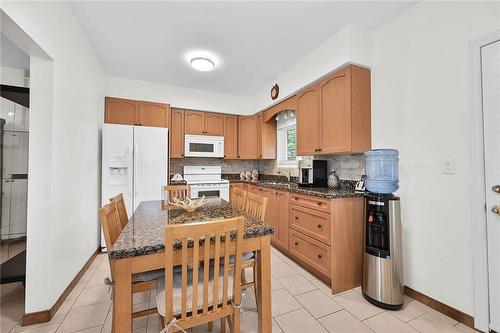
[(254, 42)]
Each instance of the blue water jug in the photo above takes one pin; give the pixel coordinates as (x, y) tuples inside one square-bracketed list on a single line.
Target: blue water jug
[(382, 170)]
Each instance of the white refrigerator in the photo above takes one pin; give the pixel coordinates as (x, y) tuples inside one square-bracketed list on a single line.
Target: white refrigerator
[(134, 162)]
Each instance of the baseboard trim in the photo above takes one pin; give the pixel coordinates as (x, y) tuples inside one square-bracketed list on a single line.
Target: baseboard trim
[(441, 307), (46, 315)]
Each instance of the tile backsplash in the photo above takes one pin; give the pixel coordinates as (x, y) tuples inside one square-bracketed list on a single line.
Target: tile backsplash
[(348, 166)]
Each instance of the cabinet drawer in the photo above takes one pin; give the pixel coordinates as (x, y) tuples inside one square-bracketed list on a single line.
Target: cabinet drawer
[(311, 251), (311, 222), (311, 202)]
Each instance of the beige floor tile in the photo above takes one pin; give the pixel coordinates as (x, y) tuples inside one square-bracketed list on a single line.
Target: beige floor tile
[(411, 309), (42, 329), (93, 295), (343, 322), (96, 329), (57, 319), (445, 318), (297, 284), (275, 284), (141, 321), (98, 279), (140, 330), (11, 293), (357, 305), (465, 328), (282, 270), (248, 299), (322, 286), (85, 317), (153, 324), (299, 321), (77, 290), (429, 323), (107, 324), (275, 259), (276, 252), (304, 273), (12, 312), (7, 326), (276, 328), (141, 297), (317, 303), (289, 261), (283, 302), (386, 323)]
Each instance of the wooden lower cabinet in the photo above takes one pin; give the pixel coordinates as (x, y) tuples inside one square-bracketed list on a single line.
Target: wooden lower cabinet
[(312, 252), (282, 219), (270, 218), (311, 222)]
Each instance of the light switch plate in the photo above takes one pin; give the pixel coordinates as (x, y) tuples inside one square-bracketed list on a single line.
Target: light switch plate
[(448, 167)]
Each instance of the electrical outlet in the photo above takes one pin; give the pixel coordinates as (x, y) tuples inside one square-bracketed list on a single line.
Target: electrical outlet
[(448, 167)]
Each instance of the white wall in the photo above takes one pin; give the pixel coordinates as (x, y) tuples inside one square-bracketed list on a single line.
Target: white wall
[(178, 96), (351, 44), (66, 114), (420, 106)]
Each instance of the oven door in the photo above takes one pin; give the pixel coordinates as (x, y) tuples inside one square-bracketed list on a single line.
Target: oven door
[(210, 191), (203, 146)]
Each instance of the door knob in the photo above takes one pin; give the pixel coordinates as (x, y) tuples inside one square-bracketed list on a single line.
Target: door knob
[(496, 209), (496, 188)]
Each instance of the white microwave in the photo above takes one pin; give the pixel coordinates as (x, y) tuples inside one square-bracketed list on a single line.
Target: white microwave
[(203, 146)]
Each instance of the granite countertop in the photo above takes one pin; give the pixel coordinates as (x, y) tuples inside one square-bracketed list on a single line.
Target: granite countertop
[(346, 190), (144, 233)]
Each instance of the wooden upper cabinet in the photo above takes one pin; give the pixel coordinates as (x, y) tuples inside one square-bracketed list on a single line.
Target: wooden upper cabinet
[(266, 131), (230, 137), (308, 121), (247, 137), (194, 122), (335, 115), (177, 134), (154, 114), (214, 124), (121, 111), (204, 123), (139, 113)]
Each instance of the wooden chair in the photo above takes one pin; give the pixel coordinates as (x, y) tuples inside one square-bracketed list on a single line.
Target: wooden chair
[(122, 210), (110, 221), (255, 206), (208, 291), (180, 192), (238, 198)]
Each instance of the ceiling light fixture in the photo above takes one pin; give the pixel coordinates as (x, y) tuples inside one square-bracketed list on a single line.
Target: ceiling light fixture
[(203, 64)]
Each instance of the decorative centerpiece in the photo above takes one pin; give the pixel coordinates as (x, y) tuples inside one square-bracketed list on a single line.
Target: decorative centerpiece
[(188, 204)]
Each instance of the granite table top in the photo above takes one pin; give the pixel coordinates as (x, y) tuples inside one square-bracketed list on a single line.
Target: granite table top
[(145, 232), (346, 190)]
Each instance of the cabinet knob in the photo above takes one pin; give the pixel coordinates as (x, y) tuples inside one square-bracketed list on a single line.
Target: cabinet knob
[(296, 198), (319, 225), (319, 149), (319, 203), (260, 189), (296, 243), (296, 217), (320, 256)]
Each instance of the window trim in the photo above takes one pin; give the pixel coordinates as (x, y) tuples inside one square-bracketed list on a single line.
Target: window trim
[(285, 163)]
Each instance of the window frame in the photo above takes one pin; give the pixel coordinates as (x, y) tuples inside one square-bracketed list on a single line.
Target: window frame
[(283, 151)]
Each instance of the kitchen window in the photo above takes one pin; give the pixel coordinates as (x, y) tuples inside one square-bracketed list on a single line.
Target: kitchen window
[(287, 139)]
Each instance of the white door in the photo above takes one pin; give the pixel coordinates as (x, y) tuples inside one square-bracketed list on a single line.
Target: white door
[(150, 163), (490, 67)]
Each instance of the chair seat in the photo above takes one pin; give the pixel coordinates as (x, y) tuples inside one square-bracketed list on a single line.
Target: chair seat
[(148, 276), (177, 290)]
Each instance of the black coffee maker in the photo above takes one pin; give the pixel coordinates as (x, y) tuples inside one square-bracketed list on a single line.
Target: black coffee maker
[(313, 173)]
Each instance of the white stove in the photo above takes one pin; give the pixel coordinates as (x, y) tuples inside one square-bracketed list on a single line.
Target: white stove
[(206, 181)]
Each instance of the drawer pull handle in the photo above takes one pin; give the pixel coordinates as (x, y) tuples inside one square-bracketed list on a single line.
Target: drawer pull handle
[(319, 256), (296, 243), (319, 225), (319, 203), (296, 217), (296, 198)]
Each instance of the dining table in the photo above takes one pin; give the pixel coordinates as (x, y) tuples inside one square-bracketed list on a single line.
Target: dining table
[(141, 248)]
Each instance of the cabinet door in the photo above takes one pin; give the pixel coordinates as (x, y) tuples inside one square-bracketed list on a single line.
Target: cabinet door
[(247, 137), (177, 134), (231, 137), (308, 121), (5, 222), (20, 146), (154, 114), (214, 124), (335, 114), (267, 137), (194, 122), (121, 111), (282, 218), (270, 218)]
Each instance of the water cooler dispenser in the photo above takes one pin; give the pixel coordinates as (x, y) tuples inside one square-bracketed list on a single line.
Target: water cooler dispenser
[(383, 283)]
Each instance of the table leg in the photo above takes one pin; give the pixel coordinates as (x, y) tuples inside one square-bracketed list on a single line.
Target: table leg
[(264, 285), (122, 303)]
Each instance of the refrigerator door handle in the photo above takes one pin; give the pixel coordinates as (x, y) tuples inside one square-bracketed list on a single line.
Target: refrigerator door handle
[(136, 152)]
